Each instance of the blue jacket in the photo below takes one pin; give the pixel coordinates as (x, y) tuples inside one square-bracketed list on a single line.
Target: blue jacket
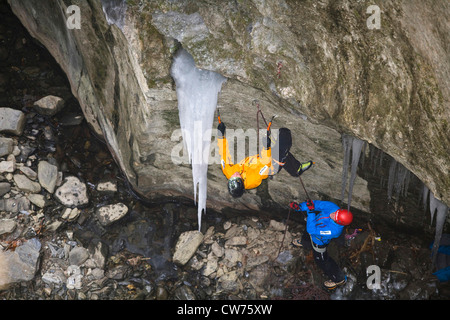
[(320, 226)]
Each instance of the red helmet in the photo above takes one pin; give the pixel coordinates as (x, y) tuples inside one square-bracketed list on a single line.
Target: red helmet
[(343, 217)]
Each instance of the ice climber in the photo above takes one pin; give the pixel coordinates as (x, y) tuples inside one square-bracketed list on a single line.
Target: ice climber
[(251, 171), (325, 221)]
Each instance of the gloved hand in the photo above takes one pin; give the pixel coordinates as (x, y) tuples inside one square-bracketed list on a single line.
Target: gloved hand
[(294, 206), (310, 204), (221, 130)]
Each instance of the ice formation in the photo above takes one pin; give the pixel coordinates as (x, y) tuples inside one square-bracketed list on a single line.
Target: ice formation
[(354, 145), (115, 11), (441, 211), (398, 180), (197, 92)]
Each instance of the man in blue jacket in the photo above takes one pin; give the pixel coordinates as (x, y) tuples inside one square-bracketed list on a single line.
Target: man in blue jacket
[(325, 221)]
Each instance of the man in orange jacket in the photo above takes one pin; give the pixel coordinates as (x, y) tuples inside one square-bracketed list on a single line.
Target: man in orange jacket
[(249, 173)]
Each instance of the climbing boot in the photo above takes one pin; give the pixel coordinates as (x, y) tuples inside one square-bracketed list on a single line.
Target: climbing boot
[(331, 285), (304, 166)]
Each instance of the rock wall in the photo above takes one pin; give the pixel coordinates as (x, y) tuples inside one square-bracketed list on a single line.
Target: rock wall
[(315, 64)]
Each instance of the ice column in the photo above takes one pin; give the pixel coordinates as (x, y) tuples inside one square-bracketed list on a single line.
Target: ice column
[(197, 92)]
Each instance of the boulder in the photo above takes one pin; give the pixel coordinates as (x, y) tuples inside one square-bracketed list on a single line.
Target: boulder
[(25, 184), (6, 146), (49, 105), (47, 175), (186, 246), (72, 193), (110, 213), (12, 121)]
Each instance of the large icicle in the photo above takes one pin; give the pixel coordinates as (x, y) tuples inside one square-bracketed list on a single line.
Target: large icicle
[(356, 154), (347, 145), (354, 145), (197, 92), (441, 214)]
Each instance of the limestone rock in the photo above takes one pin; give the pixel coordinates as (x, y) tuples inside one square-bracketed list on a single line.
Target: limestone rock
[(78, 256), (37, 199), (48, 175), (6, 146), (49, 105), (72, 192), (110, 213), (5, 187), (12, 121), (186, 246), (23, 261), (25, 184), (7, 226)]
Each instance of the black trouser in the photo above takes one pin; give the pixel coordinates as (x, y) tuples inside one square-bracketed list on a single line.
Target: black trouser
[(280, 152), (323, 260)]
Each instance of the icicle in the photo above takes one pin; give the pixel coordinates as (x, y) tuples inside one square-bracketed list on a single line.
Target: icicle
[(197, 92), (424, 196), (346, 143), (356, 154), (441, 215), (391, 179), (115, 12), (354, 145)]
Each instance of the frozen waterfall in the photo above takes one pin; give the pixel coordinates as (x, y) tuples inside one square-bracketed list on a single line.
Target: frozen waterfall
[(197, 92)]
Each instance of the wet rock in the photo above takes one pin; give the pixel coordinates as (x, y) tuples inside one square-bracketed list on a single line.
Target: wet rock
[(236, 241), (5, 187), (30, 173), (7, 166), (211, 266), (229, 283), (98, 253), (54, 275), (70, 214), (184, 293), (6, 146), (12, 121), (37, 199), (187, 244), (110, 213), (7, 226), (72, 192), (49, 105), (78, 256), (75, 277), (23, 261), (25, 184), (119, 272), (47, 175), (107, 186), (15, 205), (161, 293)]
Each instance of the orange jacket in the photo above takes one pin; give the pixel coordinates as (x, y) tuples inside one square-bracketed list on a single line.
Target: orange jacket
[(253, 169)]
